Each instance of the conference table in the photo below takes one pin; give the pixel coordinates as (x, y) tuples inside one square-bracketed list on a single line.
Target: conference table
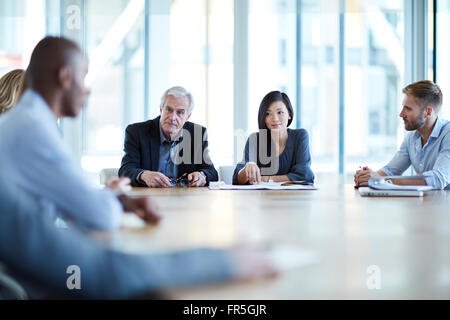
[(401, 241)]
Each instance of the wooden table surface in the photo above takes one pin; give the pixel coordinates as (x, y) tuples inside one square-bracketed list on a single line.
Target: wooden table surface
[(407, 238)]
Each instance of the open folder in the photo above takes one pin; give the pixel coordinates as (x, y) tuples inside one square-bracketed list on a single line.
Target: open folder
[(384, 187), (262, 186)]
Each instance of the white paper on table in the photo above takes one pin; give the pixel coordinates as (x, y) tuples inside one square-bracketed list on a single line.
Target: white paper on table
[(262, 186), (286, 257)]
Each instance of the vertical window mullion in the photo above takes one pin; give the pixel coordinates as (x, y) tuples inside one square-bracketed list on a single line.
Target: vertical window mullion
[(298, 75), (342, 8)]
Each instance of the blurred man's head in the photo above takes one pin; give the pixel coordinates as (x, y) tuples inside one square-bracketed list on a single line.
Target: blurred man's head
[(58, 67), (422, 101), (176, 107)]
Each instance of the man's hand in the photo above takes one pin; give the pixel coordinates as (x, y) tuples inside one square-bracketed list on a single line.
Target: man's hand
[(362, 176), (143, 207), (155, 179), (251, 262), (122, 185), (252, 173), (197, 179)]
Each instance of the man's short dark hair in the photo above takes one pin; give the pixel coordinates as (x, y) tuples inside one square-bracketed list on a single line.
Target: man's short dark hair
[(426, 93), (50, 55)]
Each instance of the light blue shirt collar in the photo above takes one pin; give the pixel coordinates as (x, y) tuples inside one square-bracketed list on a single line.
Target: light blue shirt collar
[(162, 137), (32, 99), (437, 128), (433, 136)]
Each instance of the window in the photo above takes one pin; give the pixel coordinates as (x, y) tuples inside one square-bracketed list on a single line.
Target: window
[(443, 54), (374, 81), (114, 42), (373, 74), (190, 45), (17, 38), (138, 49)]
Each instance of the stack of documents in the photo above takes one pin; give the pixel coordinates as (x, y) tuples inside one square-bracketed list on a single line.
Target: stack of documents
[(262, 186)]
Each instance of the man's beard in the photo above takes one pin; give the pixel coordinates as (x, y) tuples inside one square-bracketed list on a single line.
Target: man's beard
[(414, 124)]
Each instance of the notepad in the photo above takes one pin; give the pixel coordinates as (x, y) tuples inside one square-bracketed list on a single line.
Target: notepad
[(262, 186)]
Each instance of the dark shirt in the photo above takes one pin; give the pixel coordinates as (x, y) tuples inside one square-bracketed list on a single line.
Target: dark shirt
[(294, 161)]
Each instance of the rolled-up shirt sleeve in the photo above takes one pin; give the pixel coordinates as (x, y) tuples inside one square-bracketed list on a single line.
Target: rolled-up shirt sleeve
[(400, 162), (439, 177)]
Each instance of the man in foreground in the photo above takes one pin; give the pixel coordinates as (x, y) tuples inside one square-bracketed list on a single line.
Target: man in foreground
[(34, 156)]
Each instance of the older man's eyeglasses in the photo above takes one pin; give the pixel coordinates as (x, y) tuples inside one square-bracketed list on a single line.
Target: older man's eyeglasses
[(180, 181)]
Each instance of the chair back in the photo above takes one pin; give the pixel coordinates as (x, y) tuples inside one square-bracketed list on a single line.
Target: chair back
[(107, 174), (226, 174)]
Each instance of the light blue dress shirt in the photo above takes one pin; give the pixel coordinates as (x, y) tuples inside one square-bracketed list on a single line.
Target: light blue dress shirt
[(35, 159), (432, 160), (32, 247)]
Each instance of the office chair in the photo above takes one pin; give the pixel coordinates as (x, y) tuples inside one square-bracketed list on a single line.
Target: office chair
[(108, 173), (226, 174)]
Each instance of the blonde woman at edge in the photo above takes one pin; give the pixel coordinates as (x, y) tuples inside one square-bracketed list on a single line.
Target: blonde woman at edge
[(12, 85)]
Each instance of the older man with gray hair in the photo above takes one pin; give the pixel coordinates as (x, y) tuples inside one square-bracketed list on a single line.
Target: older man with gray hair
[(168, 150)]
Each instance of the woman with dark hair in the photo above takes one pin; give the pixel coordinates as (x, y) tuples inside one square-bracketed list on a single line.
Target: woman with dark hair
[(275, 152)]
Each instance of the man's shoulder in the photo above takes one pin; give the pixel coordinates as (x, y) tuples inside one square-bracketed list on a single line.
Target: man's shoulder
[(445, 127), (22, 121), (144, 125), (191, 126), (445, 132)]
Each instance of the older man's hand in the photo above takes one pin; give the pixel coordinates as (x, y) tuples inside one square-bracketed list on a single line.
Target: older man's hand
[(155, 179), (197, 179)]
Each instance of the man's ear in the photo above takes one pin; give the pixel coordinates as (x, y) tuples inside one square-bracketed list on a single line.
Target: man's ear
[(189, 115), (428, 111), (64, 78)]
